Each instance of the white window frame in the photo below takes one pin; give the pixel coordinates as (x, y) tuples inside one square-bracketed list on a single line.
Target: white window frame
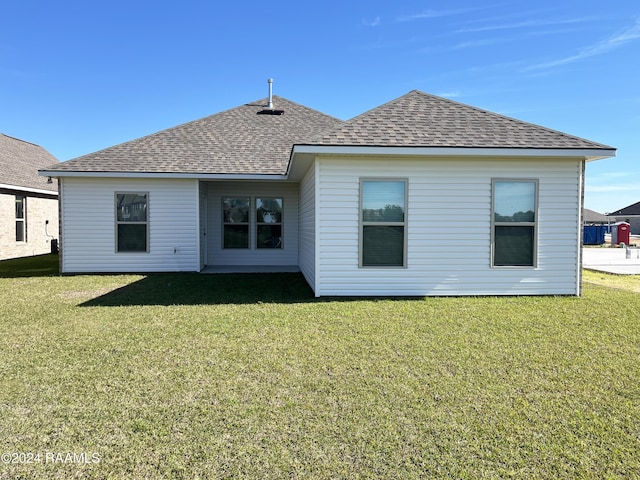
[(362, 223), (120, 222), (533, 224)]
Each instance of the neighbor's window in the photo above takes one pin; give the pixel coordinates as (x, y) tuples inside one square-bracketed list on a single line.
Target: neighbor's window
[(21, 219), (268, 222), (132, 222), (235, 222), (514, 223), (383, 205)]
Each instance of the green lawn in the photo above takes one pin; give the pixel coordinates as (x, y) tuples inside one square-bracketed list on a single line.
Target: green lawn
[(248, 376)]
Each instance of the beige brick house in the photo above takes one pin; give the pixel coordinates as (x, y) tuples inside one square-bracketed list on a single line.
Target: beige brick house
[(28, 202)]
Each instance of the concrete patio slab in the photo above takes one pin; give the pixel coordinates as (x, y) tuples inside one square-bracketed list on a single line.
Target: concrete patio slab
[(620, 261)]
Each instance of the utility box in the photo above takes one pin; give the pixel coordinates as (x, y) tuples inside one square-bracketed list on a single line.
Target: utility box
[(620, 233), (593, 234)]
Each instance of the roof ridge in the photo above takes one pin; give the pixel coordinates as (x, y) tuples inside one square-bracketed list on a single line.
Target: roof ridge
[(511, 119), (20, 161), (618, 212), (234, 141), (255, 103), (20, 140), (159, 132), (306, 107), (238, 140), (319, 135), (396, 116), (385, 104), (149, 135)]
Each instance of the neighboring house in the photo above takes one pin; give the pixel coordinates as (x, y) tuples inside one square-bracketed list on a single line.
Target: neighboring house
[(420, 196), (630, 214), (591, 217), (28, 202)]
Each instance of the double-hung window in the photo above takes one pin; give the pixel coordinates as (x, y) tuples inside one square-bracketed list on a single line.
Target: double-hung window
[(383, 223), (21, 218), (132, 222), (514, 223)]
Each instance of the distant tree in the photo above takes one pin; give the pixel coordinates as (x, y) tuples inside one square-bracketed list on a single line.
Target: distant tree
[(390, 213), (516, 217)]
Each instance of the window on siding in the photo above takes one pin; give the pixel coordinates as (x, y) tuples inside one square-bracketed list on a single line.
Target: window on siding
[(21, 218), (268, 222), (383, 230), (132, 222), (235, 222), (514, 207)]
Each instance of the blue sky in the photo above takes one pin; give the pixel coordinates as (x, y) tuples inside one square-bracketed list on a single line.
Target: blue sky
[(79, 76)]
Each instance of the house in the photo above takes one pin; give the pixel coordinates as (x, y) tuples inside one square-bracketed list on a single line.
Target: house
[(419, 196), (28, 202), (591, 217), (630, 214)]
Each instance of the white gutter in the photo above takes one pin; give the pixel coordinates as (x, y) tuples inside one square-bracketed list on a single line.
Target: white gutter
[(27, 189), (200, 176), (589, 154)]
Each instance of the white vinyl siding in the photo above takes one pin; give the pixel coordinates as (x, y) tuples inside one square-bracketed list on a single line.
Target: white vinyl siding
[(285, 256), (89, 226), (307, 228), (448, 227)]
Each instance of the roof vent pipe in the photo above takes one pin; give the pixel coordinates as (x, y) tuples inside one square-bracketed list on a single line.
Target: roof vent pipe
[(270, 104), (268, 109)]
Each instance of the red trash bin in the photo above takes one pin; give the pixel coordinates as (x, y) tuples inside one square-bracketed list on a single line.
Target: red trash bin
[(620, 233)]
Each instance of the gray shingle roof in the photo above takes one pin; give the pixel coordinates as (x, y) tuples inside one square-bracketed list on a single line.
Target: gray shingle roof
[(418, 119), (591, 216), (239, 141), (20, 162), (633, 209), (236, 141)]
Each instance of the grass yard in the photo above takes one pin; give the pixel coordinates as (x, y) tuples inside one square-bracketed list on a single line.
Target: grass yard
[(249, 376)]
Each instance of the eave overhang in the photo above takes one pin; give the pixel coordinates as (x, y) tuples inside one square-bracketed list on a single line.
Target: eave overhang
[(165, 175), (303, 155), (28, 189), (588, 154)]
